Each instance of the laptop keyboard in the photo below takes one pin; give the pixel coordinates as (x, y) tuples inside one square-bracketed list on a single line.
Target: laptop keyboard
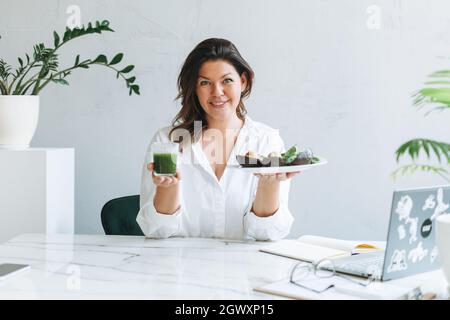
[(362, 265)]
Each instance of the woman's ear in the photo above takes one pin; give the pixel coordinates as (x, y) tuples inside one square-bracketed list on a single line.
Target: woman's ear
[(243, 82)]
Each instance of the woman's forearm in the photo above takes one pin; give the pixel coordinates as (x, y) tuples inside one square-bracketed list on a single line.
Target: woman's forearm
[(267, 198), (166, 200)]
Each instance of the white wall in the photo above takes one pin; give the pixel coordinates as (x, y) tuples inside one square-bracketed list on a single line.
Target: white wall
[(324, 78)]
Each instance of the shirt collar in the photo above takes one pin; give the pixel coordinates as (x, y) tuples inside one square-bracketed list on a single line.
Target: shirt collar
[(238, 147)]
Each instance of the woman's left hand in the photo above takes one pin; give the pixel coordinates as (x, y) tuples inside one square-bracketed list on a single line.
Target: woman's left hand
[(275, 177)]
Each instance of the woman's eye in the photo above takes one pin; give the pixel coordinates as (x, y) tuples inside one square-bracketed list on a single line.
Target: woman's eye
[(228, 80), (203, 83)]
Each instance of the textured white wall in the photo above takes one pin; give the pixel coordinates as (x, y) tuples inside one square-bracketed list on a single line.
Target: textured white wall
[(323, 77)]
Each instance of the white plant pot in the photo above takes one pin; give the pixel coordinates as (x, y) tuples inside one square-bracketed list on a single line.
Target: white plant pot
[(18, 121), (443, 243)]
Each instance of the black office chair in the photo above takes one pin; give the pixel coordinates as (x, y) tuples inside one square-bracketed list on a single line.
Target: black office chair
[(119, 216)]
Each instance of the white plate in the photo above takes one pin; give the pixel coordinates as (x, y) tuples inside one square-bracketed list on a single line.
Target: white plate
[(279, 169)]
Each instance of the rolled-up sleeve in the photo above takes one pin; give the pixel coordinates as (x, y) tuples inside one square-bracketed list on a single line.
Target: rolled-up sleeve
[(278, 225), (152, 223)]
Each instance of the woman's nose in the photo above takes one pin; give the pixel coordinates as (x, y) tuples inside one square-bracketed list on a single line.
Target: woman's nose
[(217, 89)]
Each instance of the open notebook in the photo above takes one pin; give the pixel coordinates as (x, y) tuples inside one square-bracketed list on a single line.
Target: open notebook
[(340, 289), (313, 248)]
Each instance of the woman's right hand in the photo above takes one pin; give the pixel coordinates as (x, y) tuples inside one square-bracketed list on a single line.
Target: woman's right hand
[(164, 181)]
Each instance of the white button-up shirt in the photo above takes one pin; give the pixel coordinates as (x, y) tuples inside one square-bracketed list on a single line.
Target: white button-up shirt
[(216, 208)]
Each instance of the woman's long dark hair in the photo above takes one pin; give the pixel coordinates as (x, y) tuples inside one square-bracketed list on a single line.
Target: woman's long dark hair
[(208, 50)]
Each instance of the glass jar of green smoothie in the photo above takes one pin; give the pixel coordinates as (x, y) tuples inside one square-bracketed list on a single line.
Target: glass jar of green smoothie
[(165, 158)]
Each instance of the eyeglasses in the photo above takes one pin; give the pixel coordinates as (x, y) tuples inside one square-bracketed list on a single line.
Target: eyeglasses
[(321, 269)]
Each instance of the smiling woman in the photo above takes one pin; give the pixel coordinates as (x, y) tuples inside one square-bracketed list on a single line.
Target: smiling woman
[(214, 64), (219, 97), (203, 198)]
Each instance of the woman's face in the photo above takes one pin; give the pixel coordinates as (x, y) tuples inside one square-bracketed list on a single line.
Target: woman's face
[(219, 89)]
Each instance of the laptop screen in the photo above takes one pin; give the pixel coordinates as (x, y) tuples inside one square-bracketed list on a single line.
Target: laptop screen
[(411, 246)]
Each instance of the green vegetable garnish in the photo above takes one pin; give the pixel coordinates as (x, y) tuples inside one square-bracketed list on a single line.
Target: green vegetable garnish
[(290, 155)]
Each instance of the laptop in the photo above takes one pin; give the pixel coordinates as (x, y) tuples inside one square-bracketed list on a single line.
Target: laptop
[(410, 246)]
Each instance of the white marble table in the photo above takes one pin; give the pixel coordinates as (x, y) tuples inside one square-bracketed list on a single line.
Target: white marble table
[(124, 267)]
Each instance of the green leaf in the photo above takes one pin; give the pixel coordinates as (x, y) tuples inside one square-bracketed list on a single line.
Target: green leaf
[(116, 59), (444, 148), (135, 89), (101, 59), (20, 62), (436, 151), (437, 82), (426, 148), (437, 98), (105, 23), (105, 26), (442, 73), (413, 148), (401, 150), (77, 60), (441, 95), (44, 72), (61, 81), (127, 69), (75, 33), (440, 109), (131, 80), (56, 38), (290, 155), (412, 168), (67, 35)]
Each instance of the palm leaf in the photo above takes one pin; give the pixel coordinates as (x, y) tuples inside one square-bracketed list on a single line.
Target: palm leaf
[(441, 74), (436, 95), (5, 70), (414, 147), (440, 109), (412, 168)]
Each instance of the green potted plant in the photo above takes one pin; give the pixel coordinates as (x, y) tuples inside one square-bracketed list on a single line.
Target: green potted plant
[(20, 87), (435, 96)]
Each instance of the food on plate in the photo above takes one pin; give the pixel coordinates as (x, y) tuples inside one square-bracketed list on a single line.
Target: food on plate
[(253, 155), (274, 155), (292, 157)]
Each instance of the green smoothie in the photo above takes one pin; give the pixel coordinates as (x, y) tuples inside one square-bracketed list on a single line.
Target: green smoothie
[(165, 163)]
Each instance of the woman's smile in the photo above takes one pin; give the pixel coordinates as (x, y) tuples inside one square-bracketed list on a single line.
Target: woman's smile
[(218, 104)]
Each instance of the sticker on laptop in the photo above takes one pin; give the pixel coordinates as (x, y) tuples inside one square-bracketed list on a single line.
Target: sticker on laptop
[(430, 203), (412, 229), (398, 261), (401, 232), (417, 254), (404, 207), (441, 207)]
